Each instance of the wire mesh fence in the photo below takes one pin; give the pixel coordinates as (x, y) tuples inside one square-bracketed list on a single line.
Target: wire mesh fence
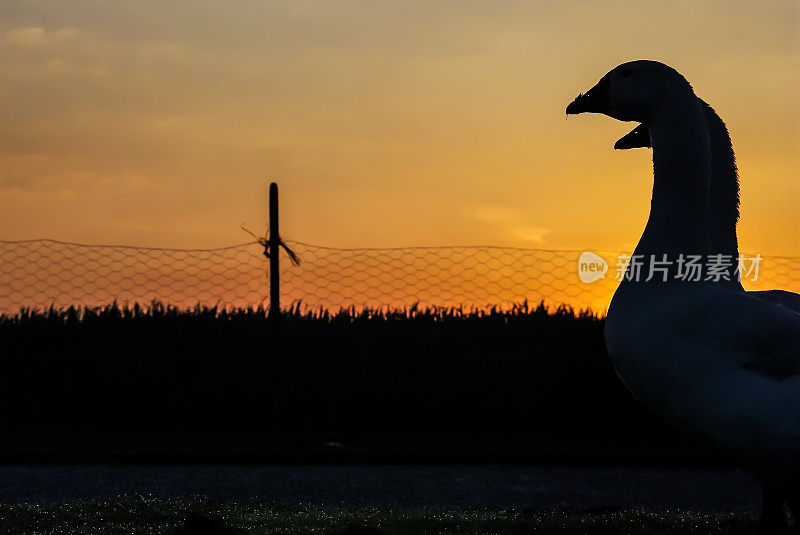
[(439, 276), (44, 273)]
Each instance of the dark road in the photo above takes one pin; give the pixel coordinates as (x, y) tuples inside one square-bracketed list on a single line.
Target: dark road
[(496, 487)]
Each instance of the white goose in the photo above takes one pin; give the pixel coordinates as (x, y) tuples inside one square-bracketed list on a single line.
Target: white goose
[(723, 201), (714, 362)]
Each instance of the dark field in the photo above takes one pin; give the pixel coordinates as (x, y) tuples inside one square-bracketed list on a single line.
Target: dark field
[(158, 378)]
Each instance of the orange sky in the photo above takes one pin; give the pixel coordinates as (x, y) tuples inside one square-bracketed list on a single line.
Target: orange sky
[(386, 124)]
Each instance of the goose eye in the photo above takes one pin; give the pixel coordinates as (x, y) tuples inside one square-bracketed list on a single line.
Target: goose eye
[(626, 73)]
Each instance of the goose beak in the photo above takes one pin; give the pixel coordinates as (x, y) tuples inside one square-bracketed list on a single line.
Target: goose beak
[(595, 100), (637, 138)]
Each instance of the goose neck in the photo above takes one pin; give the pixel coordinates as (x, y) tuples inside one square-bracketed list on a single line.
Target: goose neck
[(724, 194), (681, 169)]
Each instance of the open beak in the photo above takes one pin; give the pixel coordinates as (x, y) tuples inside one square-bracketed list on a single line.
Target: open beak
[(637, 138), (593, 101)]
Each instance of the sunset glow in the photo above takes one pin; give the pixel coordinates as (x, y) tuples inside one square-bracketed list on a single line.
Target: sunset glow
[(386, 124)]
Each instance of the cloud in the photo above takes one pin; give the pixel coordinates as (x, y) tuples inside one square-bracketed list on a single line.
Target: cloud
[(532, 234), (496, 214), (36, 36), (515, 223), (32, 36)]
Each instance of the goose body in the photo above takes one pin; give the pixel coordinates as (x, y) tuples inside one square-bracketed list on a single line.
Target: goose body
[(713, 361), (723, 202), (691, 356)]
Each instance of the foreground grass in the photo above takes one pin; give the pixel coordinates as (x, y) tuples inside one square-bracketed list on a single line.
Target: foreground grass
[(136, 514)]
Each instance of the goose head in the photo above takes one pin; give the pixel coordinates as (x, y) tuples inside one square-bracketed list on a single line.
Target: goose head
[(634, 91), (660, 98), (637, 138)]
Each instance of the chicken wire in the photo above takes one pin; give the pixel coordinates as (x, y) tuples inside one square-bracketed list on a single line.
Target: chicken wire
[(43, 273)]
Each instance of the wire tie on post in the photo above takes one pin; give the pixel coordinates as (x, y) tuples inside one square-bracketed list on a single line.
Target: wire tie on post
[(264, 242)]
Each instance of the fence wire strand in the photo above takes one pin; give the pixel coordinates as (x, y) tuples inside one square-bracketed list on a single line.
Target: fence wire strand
[(44, 273)]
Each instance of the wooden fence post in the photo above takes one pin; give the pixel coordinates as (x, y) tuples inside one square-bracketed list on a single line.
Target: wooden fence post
[(274, 254)]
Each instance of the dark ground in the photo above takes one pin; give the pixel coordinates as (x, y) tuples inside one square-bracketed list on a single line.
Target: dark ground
[(407, 486)]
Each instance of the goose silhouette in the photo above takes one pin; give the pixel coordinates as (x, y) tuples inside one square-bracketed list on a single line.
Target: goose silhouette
[(723, 202), (714, 362)]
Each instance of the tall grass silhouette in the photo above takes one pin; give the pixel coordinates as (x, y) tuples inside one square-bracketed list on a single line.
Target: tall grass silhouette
[(157, 328)]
